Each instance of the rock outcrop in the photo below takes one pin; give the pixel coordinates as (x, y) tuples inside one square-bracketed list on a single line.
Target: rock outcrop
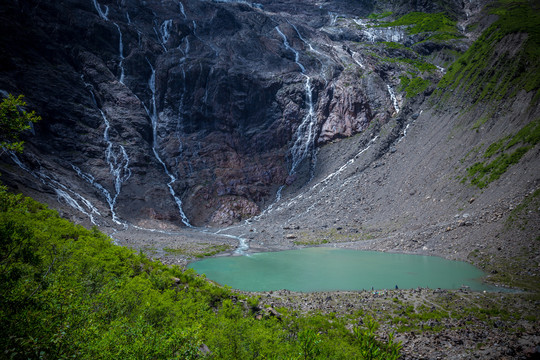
[(192, 112)]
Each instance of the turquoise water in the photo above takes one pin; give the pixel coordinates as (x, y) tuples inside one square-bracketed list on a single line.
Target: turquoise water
[(328, 269)]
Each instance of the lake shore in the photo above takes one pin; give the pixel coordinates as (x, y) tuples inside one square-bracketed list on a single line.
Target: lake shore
[(431, 323)]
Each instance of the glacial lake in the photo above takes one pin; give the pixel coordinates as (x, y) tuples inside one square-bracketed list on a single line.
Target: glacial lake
[(329, 269)]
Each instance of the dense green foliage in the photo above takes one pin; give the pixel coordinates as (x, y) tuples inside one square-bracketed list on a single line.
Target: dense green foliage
[(494, 69), (413, 86), (13, 121), (68, 292), (503, 153)]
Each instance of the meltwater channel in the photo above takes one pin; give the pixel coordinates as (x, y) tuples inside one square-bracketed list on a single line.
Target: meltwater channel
[(331, 269)]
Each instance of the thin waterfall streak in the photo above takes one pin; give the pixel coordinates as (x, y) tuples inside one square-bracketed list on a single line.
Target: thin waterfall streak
[(323, 184), (103, 15), (305, 133), (159, 38), (325, 181), (393, 98), (91, 180), (187, 48), (288, 47), (166, 31), (121, 54), (154, 118), (182, 10), (62, 191), (311, 48), (118, 163)]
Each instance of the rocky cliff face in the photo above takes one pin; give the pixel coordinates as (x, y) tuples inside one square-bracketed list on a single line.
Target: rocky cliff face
[(180, 113)]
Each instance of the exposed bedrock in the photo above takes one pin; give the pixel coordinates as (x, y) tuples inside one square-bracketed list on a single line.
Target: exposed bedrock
[(192, 112)]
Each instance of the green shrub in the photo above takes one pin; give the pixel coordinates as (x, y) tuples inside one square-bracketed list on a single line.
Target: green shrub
[(484, 172), (69, 292)]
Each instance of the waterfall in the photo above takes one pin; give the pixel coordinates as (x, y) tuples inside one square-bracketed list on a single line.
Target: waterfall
[(333, 18), (182, 10), (356, 61), (271, 206), (301, 38), (62, 192), (288, 47), (118, 167), (393, 97), (407, 128), (187, 48), (103, 15), (325, 181), (128, 18), (312, 49), (121, 51), (154, 118), (163, 32), (166, 31), (305, 133), (118, 162), (110, 201), (92, 181)]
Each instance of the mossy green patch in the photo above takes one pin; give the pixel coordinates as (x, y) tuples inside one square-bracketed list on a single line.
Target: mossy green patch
[(492, 69), (506, 153), (418, 22), (413, 86)]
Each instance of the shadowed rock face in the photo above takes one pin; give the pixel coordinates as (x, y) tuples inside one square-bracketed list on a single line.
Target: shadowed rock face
[(189, 112)]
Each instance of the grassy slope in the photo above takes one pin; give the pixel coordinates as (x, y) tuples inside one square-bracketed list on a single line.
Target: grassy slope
[(485, 74)]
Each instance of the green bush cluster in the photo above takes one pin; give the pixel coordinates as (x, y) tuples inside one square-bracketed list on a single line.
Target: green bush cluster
[(68, 292), (491, 76), (13, 121), (413, 86), (506, 153)]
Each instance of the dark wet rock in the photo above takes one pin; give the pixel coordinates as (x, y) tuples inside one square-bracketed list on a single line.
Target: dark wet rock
[(206, 103)]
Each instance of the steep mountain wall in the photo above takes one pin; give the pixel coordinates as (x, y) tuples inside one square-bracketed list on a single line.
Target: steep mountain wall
[(178, 113)]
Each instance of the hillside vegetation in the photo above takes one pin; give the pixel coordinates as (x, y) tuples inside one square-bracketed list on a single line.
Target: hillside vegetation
[(69, 292), (504, 60)]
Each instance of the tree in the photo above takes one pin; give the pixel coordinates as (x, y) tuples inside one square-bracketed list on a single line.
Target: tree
[(13, 121)]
